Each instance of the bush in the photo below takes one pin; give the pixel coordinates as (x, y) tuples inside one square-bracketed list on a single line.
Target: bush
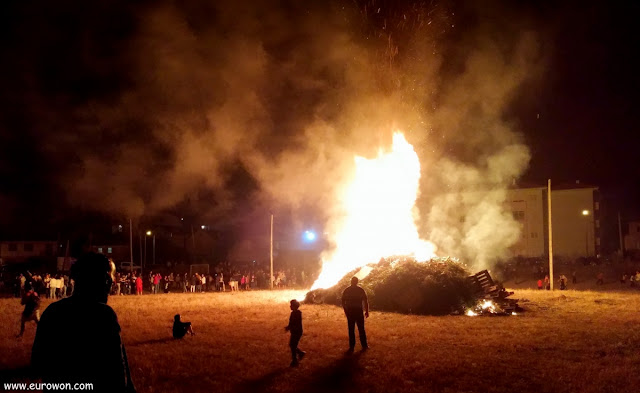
[(401, 284)]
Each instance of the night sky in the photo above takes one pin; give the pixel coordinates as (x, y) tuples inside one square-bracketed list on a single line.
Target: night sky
[(131, 108)]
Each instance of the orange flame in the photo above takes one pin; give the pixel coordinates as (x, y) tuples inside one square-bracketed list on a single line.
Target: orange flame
[(378, 214)]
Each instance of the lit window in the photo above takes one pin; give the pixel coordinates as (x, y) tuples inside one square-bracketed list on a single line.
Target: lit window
[(109, 250), (100, 249)]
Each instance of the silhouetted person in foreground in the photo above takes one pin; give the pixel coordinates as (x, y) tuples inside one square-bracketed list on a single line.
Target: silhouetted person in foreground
[(88, 330), (353, 299), (295, 327), (180, 329), (31, 312)]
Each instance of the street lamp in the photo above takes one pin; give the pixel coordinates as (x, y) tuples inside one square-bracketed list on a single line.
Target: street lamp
[(309, 236), (585, 214), (149, 233)]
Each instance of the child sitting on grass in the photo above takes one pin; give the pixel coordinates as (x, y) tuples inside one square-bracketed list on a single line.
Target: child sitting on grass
[(180, 329), (295, 327)]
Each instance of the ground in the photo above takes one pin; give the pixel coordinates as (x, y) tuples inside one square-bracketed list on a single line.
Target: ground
[(569, 341)]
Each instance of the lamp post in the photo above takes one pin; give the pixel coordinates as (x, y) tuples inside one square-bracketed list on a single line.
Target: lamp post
[(149, 233), (271, 255), (585, 214)]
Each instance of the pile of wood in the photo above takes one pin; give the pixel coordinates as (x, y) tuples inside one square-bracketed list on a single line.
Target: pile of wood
[(492, 298)]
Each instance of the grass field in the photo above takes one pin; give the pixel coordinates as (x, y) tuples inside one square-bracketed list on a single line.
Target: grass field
[(570, 341)]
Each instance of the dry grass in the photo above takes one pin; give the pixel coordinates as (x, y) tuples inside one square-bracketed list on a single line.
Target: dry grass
[(565, 342)]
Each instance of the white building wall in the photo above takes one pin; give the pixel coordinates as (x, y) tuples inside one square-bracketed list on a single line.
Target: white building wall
[(527, 207), (632, 240), (574, 234)]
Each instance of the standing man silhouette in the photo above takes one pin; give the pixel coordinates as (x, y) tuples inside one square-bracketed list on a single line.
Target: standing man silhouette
[(353, 300), (88, 328)]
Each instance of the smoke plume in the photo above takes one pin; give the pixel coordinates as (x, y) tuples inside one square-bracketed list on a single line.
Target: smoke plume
[(241, 108)]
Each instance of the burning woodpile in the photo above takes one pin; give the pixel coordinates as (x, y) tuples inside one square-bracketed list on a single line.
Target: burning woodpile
[(401, 284), (439, 286)]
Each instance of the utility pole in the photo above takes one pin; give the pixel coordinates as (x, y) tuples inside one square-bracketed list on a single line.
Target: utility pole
[(131, 241), (145, 251), (271, 254), (550, 234), (620, 235)]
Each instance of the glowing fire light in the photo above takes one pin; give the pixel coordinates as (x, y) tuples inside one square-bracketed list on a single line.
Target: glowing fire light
[(378, 219), (488, 305)]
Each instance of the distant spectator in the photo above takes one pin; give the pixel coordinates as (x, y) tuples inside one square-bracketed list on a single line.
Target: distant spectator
[(193, 283), (53, 286), (563, 282), (600, 279), (574, 280), (138, 285), (221, 282), (547, 283), (539, 283), (65, 282), (23, 281), (623, 279), (156, 282), (47, 284)]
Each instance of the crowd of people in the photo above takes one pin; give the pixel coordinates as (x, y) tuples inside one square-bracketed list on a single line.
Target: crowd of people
[(58, 286), (218, 281), (51, 286), (632, 278)]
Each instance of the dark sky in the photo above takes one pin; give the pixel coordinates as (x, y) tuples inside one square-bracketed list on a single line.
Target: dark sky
[(87, 84)]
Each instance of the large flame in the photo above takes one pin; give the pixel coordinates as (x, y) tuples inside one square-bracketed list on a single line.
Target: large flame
[(378, 221)]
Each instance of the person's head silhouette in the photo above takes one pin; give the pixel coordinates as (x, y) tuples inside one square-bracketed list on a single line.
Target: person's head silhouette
[(354, 281), (93, 275)]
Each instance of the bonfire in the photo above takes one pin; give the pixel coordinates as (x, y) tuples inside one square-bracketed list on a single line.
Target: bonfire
[(402, 284)]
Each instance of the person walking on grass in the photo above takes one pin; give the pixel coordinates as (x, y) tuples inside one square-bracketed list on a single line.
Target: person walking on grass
[(353, 300), (295, 327), (31, 312), (89, 327)]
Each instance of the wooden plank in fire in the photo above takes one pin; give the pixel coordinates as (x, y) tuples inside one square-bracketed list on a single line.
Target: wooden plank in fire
[(486, 288)]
